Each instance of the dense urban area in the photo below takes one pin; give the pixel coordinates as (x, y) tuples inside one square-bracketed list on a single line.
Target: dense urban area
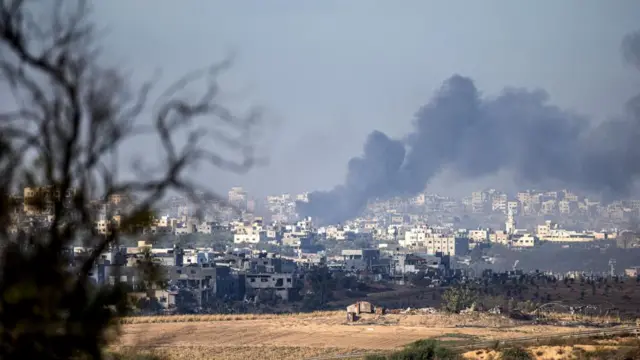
[(100, 260), (242, 255)]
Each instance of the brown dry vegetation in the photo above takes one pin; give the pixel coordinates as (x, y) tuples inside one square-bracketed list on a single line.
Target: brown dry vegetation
[(237, 352), (301, 336), (219, 317), (574, 349), (624, 295), (593, 352)]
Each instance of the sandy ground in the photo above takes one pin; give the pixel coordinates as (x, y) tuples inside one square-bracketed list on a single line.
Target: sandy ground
[(541, 352), (392, 331)]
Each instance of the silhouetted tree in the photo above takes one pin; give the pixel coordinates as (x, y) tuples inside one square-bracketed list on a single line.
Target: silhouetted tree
[(67, 120), (319, 287)]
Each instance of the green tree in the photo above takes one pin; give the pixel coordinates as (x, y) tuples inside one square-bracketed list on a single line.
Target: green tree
[(68, 120), (458, 298)]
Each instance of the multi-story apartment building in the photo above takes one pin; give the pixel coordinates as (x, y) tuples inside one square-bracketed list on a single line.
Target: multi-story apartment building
[(433, 242), (282, 284), (479, 201), (205, 283), (295, 239), (104, 226), (514, 207), (365, 260), (569, 196), (499, 203), (238, 197), (567, 207), (523, 240), (499, 237), (447, 245), (416, 236), (544, 230), (249, 235), (548, 207), (524, 197), (40, 200), (550, 231), (479, 235)]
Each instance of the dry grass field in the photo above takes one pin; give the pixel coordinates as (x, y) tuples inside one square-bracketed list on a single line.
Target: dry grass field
[(301, 336), (221, 317), (239, 352)]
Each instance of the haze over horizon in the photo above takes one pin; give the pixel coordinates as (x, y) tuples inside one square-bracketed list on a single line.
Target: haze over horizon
[(329, 73)]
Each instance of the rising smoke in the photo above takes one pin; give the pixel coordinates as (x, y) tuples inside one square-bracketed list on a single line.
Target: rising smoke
[(519, 130)]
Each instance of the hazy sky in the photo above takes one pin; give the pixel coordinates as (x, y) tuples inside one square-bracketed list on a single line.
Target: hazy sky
[(329, 72)]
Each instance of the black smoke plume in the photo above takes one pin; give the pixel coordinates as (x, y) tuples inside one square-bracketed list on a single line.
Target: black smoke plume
[(474, 135)]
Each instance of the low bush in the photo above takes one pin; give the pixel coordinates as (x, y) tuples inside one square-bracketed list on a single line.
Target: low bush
[(516, 353), (420, 350)]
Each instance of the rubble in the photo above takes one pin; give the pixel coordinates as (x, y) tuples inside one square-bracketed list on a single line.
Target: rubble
[(495, 310), (410, 311), (364, 307)]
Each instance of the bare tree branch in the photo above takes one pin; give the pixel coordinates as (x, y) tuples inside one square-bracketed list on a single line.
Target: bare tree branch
[(72, 118)]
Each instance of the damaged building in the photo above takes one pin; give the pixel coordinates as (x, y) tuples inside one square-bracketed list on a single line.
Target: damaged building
[(205, 283), (269, 273), (281, 284), (365, 260), (403, 263)]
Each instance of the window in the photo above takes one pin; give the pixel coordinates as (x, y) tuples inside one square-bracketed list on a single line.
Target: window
[(178, 271), (253, 280), (289, 280), (193, 271)]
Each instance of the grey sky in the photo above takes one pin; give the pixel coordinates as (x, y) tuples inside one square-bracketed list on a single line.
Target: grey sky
[(329, 72)]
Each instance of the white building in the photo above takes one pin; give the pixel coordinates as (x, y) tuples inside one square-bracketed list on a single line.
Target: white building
[(249, 234), (524, 240), (513, 206), (416, 236), (479, 235), (293, 239), (499, 203), (550, 231), (433, 242), (448, 245)]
